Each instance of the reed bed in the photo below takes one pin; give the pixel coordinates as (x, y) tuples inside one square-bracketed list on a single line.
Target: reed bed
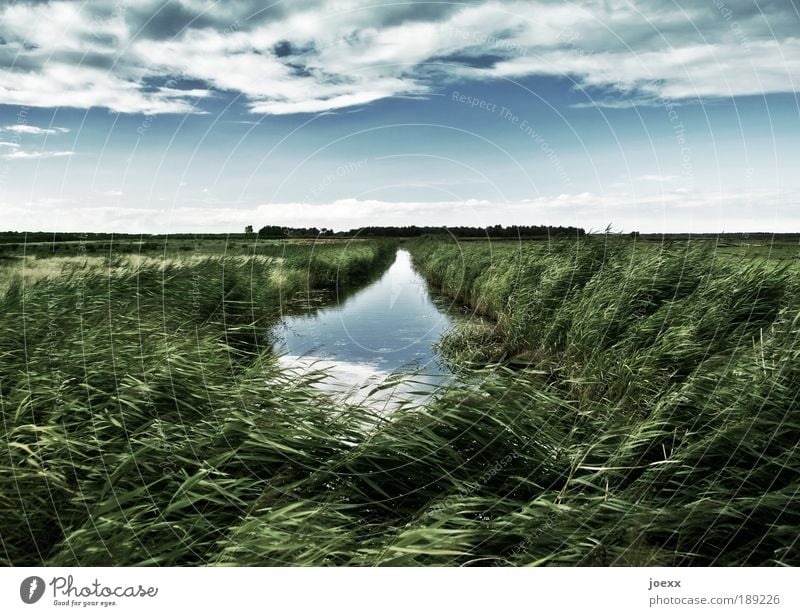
[(649, 417), (126, 392), (680, 369)]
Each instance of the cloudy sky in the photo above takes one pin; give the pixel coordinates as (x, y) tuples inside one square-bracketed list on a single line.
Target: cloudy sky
[(196, 115)]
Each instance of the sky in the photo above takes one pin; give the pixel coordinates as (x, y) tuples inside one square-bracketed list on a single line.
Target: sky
[(201, 116)]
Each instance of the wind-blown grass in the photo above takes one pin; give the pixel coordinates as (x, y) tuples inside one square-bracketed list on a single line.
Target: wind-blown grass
[(649, 417), (680, 369), (127, 391)]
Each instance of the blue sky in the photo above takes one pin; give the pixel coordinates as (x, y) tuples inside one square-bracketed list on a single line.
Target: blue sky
[(201, 116)]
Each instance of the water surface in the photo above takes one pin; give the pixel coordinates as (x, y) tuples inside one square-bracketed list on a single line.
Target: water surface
[(388, 329)]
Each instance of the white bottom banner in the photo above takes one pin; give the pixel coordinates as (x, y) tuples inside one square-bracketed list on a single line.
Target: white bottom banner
[(480, 591)]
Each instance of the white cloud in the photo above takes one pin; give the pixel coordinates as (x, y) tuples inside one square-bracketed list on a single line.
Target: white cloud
[(627, 211), (708, 70), (67, 85), (658, 178), (337, 55), (22, 155), (27, 129), (606, 102)]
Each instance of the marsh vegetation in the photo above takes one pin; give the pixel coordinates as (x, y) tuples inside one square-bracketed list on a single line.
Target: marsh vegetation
[(621, 403)]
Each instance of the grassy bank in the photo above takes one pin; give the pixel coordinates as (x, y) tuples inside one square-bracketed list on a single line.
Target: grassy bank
[(679, 371), (649, 418), (128, 385)]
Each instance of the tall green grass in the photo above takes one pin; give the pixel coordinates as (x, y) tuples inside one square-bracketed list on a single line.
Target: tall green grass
[(649, 417), (680, 369), (127, 390)]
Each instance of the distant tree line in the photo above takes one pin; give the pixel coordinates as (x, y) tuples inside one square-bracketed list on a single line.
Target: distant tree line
[(496, 231), (275, 232), (492, 231), (45, 236), (58, 236)]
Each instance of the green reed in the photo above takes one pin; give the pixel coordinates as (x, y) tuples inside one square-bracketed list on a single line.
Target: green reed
[(635, 407)]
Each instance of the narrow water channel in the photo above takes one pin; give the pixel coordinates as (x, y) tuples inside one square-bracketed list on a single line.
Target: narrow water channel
[(385, 331)]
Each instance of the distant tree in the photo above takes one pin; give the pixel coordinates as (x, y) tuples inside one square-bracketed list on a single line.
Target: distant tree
[(248, 230), (271, 232)]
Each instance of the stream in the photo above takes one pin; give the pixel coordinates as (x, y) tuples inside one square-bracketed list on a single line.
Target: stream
[(380, 337)]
